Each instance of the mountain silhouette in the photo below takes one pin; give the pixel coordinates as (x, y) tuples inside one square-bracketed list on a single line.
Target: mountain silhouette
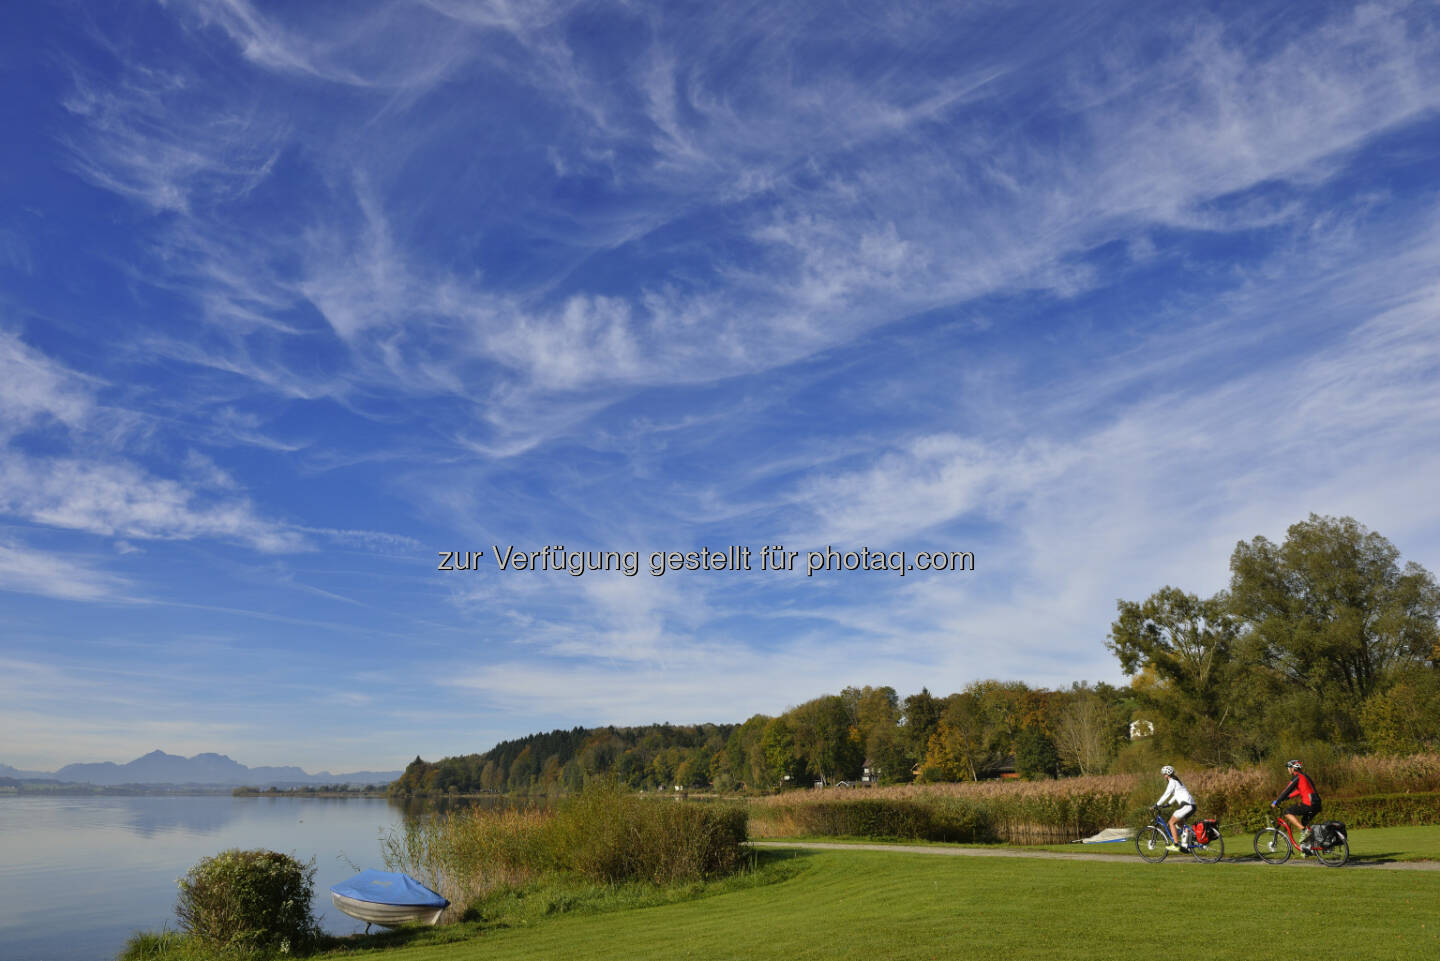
[(208, 769)]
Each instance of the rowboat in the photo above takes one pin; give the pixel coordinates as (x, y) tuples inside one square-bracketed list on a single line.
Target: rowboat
[(387, 899)]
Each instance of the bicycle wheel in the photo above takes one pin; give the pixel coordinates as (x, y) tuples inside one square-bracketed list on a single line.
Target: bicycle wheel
[(1150, 843), (1210, 852), (1335, 855), (1272, 846)]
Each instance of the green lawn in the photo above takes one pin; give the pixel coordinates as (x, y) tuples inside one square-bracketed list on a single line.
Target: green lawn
[(1396, 844), (858, 904), (1367, 845)]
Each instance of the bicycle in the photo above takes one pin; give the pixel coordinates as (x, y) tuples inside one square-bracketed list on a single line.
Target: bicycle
[(1275, 842), (1153, 842)]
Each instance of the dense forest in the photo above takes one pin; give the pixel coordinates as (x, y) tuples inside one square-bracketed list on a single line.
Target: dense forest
[(1323, 641)]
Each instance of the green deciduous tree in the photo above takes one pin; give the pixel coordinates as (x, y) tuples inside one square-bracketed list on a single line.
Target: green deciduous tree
[(920, 717), (875, 713), (1035, 755), (1185, 647), (972, 738), (1405, 717), (824, 739), (777, 744), (1333, 613)]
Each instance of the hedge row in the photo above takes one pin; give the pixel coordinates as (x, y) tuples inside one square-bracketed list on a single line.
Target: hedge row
[(954, 819), (1385, 810)]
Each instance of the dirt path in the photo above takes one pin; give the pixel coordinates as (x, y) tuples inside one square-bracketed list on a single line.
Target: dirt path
[(955, 851)]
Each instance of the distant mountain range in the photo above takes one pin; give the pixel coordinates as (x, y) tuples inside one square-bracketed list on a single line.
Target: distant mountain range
[(208, 770)]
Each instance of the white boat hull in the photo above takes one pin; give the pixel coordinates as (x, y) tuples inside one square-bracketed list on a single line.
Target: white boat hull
[(388, 915)]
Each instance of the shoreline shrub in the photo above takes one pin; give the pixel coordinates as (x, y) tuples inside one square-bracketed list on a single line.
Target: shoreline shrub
[(251, 900)]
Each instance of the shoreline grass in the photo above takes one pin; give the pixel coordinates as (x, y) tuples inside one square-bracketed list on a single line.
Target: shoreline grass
[(518, 908), (862, 905), (896, 905)]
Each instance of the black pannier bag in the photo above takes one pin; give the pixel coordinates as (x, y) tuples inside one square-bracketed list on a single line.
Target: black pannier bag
[(1328, 833)]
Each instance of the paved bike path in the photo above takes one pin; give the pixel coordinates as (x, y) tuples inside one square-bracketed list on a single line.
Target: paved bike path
[(954, 851)]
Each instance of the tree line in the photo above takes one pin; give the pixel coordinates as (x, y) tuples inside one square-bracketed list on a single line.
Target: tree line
[(990, 727), (1322, 638)]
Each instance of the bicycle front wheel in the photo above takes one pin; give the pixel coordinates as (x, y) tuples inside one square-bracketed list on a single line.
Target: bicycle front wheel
[(1151, 844), (1211, 852), (1272, 846), (1335, 855)]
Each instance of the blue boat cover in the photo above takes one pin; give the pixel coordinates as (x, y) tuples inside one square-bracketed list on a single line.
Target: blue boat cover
[(385, 887)]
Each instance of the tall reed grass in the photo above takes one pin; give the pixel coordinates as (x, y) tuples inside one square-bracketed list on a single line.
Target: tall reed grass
[(601, 835), (1043, 812), (466, 854)]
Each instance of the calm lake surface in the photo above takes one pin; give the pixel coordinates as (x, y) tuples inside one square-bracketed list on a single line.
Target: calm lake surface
[(78, 875)]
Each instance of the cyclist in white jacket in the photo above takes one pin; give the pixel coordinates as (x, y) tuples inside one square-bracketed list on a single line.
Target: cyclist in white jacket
[(1179, 794)]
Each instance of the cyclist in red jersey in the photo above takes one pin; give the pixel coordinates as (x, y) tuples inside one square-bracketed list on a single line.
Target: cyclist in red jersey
[(1302, 788)]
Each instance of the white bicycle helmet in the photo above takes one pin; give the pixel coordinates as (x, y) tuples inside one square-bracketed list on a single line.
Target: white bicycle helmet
[(1168, 771), (1294, 766)]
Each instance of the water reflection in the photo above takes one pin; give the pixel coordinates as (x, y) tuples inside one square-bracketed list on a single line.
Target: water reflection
[(82, 873), (151, 816), (412, 808)]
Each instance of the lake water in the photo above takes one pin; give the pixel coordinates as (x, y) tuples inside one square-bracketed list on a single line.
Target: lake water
[(78, 875)]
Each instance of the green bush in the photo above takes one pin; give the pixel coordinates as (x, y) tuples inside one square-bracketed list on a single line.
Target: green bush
[(249, 900), (1023, 817)]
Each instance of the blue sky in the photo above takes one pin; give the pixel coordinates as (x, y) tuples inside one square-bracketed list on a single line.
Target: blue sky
[(295, 296)]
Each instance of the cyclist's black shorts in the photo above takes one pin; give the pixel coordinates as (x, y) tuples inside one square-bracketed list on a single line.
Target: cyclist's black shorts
[(1305, 812)]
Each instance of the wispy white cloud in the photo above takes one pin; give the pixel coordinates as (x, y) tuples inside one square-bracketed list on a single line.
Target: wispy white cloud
[(153, 138), (821, 266), (270, 46), (36, 388), (27, 571), (99, 489), (119, 499)]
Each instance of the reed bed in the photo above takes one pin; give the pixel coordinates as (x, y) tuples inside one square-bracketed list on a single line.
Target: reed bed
[(468, 853), (1033, 812), (601, 836), (1373, 791)]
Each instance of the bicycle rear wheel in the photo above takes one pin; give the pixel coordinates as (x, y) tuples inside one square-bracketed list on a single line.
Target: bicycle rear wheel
[(1272, 846), (1335, 855), (1150, 843), (1209, 852)]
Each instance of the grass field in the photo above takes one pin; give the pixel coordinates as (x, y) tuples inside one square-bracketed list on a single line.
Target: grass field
[(843, 904), (1367, 845)]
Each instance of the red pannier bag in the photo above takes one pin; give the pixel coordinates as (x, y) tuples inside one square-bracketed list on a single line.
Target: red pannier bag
[(1206, 831)]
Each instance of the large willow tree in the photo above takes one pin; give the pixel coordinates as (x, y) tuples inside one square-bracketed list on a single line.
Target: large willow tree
[(1331, 608), (1310, 632)]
